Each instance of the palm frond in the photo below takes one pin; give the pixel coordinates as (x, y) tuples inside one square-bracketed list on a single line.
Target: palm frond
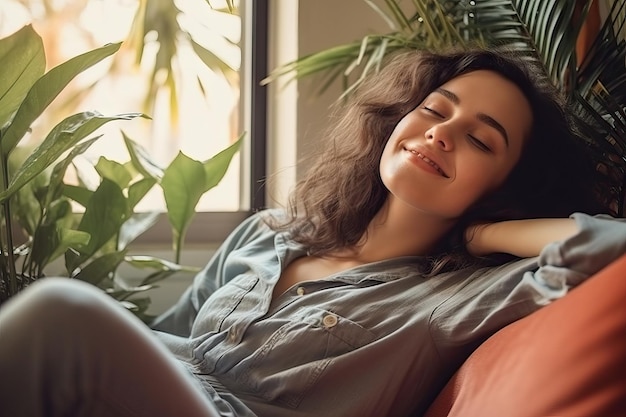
[(552, 28), (605, 137), (433, 25)]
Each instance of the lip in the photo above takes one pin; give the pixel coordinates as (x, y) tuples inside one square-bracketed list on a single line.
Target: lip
[(426, 159)]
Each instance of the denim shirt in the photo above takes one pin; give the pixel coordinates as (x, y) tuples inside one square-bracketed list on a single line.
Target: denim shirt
[(375, 340)]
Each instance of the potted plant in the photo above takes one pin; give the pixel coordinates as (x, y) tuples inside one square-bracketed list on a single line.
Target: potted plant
[(36, 200), (586, 61)]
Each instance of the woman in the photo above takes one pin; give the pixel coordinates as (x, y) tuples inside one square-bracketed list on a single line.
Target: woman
[(414, 237)]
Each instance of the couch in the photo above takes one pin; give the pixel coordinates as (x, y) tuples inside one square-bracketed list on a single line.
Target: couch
[(567, 359)]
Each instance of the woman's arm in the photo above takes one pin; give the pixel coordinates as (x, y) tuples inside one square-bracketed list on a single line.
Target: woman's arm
[(523, 238), (492, 297)]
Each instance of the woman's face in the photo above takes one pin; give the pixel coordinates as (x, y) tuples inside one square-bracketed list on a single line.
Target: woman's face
[(460, 143)]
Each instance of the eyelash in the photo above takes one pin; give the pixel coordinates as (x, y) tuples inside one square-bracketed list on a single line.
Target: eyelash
[(429, 110), (479, 144), (473, 140)]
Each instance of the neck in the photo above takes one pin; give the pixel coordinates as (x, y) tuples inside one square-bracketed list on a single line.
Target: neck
[(398, 230)]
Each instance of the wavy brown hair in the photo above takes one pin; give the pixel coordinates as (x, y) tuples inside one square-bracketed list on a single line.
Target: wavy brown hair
[(332, 206)]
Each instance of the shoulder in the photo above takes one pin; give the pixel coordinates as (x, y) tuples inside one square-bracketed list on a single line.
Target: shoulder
[(257, 225), (267, 219)]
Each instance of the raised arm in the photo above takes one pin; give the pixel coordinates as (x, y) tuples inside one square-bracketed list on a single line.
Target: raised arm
[(493, 297), (523, 238)]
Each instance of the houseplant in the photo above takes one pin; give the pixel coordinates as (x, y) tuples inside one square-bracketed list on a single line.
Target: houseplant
[(584, 60), (35, 197)]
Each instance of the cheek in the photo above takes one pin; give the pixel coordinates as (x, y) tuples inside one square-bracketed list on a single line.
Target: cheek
[(388, 165), (481, 179)]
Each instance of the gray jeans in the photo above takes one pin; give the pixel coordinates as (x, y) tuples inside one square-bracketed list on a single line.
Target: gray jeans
[(67, 349)]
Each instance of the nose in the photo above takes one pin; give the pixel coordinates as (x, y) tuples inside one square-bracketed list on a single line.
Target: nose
[(441, 135)]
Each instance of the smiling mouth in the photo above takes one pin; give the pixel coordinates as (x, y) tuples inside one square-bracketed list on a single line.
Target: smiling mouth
[(428, 161)]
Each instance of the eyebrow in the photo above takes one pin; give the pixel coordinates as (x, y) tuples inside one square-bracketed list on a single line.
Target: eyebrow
[(488, 120)]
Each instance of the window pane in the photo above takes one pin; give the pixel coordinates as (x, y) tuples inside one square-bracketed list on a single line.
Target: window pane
[(179, 63)]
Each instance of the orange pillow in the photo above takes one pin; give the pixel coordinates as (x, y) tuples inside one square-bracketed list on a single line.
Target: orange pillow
[(567, 359)]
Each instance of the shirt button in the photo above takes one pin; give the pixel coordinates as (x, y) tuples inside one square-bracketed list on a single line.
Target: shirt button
[(300, 291), (329, 320)]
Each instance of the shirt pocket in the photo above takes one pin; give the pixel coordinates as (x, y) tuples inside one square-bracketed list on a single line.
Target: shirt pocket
[(218, 311), (289, 363)]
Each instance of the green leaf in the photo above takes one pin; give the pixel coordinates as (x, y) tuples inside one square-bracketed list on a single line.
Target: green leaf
[(137, 306), (77, 193), (135, 226), (68, 238), (105, 213), (58, 210), (26, 208), (157, 276), (138, 190), (151, 262), (46, 89), (141, 159), (55, 188), (183, 184), (46, 236), (185, 181), (45, 240), (216, 167), (100, 268), (24, 62), (113, 171), (163, 268), (52, 238), (62, 138)]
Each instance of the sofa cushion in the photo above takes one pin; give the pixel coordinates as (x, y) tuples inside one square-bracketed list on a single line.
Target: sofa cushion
[(567, 359)]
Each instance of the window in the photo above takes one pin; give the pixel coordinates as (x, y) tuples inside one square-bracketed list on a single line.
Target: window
[(204, 97)]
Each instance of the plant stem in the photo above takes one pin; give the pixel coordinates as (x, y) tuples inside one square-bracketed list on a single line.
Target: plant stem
[(8, 229), (178, 244)]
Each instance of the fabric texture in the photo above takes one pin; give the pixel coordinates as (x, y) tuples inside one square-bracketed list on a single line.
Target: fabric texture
[(374, 340)]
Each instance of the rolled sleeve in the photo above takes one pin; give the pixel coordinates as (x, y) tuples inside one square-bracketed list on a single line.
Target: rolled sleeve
[(600, 240)]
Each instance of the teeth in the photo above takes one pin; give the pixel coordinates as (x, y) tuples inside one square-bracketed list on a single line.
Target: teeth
[(429, 162)]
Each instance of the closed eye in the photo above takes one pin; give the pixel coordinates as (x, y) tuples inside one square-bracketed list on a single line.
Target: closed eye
[(434, 112), (479, 144)]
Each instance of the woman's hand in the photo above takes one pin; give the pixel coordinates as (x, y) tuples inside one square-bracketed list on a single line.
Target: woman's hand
[(523, 238)]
